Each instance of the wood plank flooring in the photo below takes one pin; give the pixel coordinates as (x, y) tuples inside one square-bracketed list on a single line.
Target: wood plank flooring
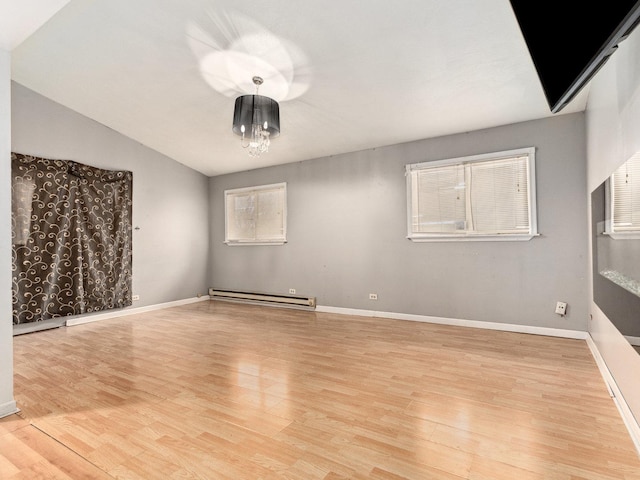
[(215, 390)]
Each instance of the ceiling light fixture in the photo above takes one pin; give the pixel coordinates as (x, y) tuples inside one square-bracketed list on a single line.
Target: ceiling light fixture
[(261, 115)]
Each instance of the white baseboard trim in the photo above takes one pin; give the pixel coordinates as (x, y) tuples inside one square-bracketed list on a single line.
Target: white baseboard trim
[(8, 408), (506, 327), (625, 412), (30, 327), (81, 319)]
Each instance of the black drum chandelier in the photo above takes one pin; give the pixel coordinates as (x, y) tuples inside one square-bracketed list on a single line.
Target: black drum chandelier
[(256, 119)]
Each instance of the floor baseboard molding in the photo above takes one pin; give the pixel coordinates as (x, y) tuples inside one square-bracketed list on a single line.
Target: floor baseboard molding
[(506, 327), (30, 327), (8, 408), (625, 412), (81, 319)]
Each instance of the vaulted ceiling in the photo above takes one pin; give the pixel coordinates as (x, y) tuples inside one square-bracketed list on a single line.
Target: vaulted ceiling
[(349, 75)]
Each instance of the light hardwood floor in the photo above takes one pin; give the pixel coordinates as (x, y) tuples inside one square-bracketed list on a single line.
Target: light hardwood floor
[(215, 390)]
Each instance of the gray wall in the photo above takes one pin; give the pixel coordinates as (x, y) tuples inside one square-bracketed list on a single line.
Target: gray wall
[(170, 250), (347, 234)]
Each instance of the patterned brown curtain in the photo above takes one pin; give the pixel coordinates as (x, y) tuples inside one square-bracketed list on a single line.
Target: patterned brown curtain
[(71, 236)]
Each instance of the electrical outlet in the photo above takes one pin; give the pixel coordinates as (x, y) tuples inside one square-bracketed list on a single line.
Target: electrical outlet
[(292, 291), (561, 308), (373, 296), (135, 297)]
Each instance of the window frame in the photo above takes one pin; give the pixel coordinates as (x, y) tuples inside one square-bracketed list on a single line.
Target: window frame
[(280, 240), (465, 235)]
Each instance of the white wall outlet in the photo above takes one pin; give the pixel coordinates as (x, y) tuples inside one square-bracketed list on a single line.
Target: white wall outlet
[(373, 296), (292, 291), (561, 308), (135, 297)]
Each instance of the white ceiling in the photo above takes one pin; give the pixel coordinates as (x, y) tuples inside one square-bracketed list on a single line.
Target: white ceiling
[(349, 75), (20, 19)]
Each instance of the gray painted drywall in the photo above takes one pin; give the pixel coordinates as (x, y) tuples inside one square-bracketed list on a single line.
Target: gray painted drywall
[(7, 403), (170, 249), (347, 234)]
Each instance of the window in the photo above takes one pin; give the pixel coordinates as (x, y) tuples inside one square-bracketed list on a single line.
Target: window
[(624, 201), (256, 215), (483, 197)]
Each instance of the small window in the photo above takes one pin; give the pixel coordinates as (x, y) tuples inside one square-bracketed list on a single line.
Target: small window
[(483, 197), (256, 215), (624, 201)]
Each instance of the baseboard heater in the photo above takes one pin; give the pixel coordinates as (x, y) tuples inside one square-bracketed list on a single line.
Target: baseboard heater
[(271, 299)]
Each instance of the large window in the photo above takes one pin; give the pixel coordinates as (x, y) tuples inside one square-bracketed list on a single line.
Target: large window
[(256, 215), (483, 197)]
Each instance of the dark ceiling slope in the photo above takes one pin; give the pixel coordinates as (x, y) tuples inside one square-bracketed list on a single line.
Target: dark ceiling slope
[(570, 41)]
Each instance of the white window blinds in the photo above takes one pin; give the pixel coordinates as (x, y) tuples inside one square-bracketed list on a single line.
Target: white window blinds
[(256, 215), (439, 197), (481, 196), (500, 196), (625, 196)]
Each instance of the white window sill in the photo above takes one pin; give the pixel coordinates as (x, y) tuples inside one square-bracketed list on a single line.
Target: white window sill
[(234, 243), (623, 235), (506, 237)]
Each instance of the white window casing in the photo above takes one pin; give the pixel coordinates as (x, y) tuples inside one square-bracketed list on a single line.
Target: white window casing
[(481, 197), (256, 215)]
